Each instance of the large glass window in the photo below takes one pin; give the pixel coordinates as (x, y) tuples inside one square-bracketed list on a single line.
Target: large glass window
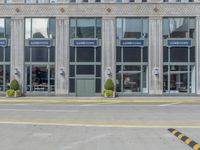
[(179, 60), (132, 60), (132, 28), (40, 59), (85, 60), (178, 28), (5, 35), (85, 28)]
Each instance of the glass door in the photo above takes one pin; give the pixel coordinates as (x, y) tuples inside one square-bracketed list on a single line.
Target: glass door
[(179, 79)]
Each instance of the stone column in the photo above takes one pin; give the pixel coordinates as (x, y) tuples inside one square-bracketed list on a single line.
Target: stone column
[(17, 50), (108, 47), (155, 56), (197, 54), (62, 56)]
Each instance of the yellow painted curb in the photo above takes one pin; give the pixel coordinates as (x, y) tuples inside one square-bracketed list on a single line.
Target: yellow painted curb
[(94, 101)]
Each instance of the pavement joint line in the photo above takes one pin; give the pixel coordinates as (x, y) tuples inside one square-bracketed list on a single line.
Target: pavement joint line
[(97, 101), (194, 145)]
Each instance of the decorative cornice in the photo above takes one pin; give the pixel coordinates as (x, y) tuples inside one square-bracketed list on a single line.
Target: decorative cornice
[(136, 9)]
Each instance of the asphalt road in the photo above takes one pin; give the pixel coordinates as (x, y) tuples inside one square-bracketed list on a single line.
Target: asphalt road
[(97, 126)]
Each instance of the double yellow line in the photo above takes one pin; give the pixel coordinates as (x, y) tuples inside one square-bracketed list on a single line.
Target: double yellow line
[(185, 139)]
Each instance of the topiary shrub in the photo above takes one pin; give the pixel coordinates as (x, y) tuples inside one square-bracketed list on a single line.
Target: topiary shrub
[(10, 93), (109, 85), (14, 85)]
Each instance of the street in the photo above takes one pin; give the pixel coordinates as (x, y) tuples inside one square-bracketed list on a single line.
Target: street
[(97, 126)]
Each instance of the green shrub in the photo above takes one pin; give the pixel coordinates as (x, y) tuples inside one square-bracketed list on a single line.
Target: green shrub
[(10, 92), (108, 93), (109, 85), (14, 85)]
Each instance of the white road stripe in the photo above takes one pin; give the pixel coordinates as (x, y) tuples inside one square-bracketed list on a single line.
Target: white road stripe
[(169, 104), (39, 110), (99, 126)]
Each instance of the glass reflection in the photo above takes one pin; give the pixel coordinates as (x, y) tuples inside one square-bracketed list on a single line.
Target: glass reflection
[(178, 28), (129, 79), (40, 54), (39, 78), (39, 27), (1, 78), (132, 28), (28, 28), (1, 54), (52, 78), (85, 28), (7, 81), (2, 28)]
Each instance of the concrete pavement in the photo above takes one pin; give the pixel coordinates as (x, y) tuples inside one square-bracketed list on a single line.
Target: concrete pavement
[(97, 126)]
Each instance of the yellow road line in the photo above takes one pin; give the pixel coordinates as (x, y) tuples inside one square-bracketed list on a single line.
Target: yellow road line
[(95, 101), (68, 122)]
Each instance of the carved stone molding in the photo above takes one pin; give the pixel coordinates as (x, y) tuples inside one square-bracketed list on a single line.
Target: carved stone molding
[(136, 9)]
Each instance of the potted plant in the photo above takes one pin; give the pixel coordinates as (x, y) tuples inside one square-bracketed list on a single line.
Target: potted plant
[(14, 90), (109, 88)]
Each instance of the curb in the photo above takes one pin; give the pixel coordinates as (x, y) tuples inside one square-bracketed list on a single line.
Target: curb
[(194, 145), (94, 101)]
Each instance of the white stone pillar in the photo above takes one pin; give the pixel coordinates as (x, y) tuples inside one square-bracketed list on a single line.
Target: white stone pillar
[(108, 47), (17, 50), (197, 48), (155, 55), (62, 56)]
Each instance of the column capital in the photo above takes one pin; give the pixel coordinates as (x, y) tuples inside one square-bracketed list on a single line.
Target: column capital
[(108, 18), (155, 18), (62, 18), (17, 18)]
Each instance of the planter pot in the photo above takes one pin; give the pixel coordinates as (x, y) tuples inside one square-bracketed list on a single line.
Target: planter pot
[(16, 94), (109, 94)]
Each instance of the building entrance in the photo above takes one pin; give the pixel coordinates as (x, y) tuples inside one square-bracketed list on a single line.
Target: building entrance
[(85, 87)]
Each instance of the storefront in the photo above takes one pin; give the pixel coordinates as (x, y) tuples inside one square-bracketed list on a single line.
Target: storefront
[(179, 55), (132, 56), (85, 56), (5, 35), (40, 55)]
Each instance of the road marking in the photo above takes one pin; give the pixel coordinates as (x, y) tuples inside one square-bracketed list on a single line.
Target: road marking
[(163, 105), (96, 124), (39, 110), (185, 139)]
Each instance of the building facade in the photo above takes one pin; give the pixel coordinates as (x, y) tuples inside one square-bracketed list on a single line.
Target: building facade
[(68, 47)]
